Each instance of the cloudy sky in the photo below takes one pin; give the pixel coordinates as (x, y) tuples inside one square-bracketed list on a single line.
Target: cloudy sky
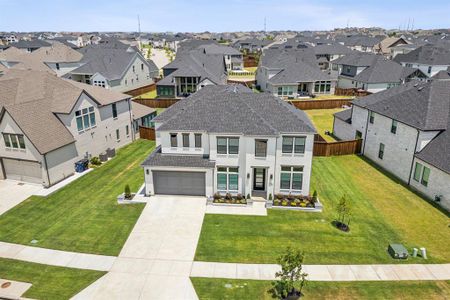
[(218, 15)]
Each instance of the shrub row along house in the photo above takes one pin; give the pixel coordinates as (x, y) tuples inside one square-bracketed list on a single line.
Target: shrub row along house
[(48, 123), (405, 130), (292, 73), (226, 139), (370, 72)]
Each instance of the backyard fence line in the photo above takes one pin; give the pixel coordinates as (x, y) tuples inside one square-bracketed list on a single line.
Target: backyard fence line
[(321, 104), (141, 90), (323, 148), (351, 92), (147, 133), (157, 102)]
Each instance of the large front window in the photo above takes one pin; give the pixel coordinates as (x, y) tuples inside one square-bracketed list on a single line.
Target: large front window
[(322, 87), (85, 118), (293, 144), (285, 91), (227, 145), (227, 179), (187, 85), (14, 141), (291, 179)]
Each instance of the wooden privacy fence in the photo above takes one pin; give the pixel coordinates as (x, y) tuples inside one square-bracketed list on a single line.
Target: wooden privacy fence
[(321, 104), (142, 90), (351, 92), (147, 133), (323, 148), (157, 103)]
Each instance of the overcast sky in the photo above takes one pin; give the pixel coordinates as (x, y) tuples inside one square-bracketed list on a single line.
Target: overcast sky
[(218, 15)]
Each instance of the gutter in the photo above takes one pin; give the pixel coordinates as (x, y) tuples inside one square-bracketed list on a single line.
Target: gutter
[(365, 134), (414, 154), (133, 134), (46, 168)]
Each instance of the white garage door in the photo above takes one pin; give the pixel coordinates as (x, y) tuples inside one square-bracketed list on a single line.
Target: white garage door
[(21, 170), (179, 183)]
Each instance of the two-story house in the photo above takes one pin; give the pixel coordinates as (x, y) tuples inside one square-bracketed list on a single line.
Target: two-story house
[(430, 59), (226, 139), (406, 131), (292, 73), (327, 53), (371, 72), (48, 123)]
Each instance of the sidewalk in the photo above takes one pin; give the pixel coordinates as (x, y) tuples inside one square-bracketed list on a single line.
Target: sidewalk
[(325, 272)]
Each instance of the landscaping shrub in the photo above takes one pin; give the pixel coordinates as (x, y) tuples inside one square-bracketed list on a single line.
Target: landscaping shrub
[(270, 197), (95, 161), (127, 192), (228, 196), (216, 196), (239, 197)]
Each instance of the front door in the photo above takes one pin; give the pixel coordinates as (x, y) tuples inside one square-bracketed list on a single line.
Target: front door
[(259, 179)]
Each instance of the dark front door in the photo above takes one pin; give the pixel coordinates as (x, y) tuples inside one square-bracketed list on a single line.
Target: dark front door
[(259, 179)]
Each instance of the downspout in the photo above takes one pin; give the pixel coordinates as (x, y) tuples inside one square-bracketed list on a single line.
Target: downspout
[(412, 161), (133, 135), (46, 168), (365, 134), (275, 168)]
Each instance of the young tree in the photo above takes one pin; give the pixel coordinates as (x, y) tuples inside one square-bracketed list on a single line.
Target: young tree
[(343, 210), (291, 278)]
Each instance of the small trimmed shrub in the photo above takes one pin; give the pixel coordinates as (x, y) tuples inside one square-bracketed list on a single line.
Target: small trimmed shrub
[(284, 203), (314, 197), (217, 196), (243, 201), (280, 196), (270, 197), (303, 204), (293, 203), (248, 196), (95, 161), (228, 196), (290, 197), (239, 197), (127, 192), (276, 202)]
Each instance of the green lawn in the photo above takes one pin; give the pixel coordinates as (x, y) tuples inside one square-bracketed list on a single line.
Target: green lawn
[(148, 95), (83, 216), (383, 212), (48, 282), (212, 289), (323, 120)]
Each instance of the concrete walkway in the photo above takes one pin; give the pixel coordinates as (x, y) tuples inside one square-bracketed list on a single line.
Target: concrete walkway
[(156, 260), (256, 209), (325, 272), (14, 192)]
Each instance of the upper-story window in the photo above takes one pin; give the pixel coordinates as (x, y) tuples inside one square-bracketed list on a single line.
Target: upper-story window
[(142, 67), (394, 126), (173, 140), (260, 148), (381, 151), (293, 144), (185, 140), (429, 70), (14, 141), (85, 118), (227, 145), (57, 66), (198, 140), (371, 117), (114, 110), (134, 69), (101, 83)]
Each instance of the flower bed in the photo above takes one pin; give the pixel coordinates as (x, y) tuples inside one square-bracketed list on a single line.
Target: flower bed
[(295, 201), (229, 199)]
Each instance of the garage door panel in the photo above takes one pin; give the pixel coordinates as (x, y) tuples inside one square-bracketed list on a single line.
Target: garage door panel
[(179, 183), (22, 170)]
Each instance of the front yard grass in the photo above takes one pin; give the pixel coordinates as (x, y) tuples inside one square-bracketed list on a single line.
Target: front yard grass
[(323, 121), (209, 288), (48, 282), (83, 216), (383, 212)]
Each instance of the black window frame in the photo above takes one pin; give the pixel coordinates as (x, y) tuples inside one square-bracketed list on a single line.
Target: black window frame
[(381, 151), (227, 148), (287, 147), (235, 148), (293, 147), (174, 140), (114, 110), (394, 126), (185, 139), (371, 117), (260, 152), (197, 140)]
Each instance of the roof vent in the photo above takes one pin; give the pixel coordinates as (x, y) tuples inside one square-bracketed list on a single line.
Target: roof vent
[(416, 84), (420, 88)]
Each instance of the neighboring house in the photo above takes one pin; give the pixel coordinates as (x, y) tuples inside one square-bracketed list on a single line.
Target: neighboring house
[(30, 46), (402, 49), (292, 73), (430, 59), (142, 116), (232, 57), (189, 72), (227, 139), (385, 46), (48, 123), (406, 131), (327, 53), (251, 45), (362, 43), (372, 73), (118, 69)]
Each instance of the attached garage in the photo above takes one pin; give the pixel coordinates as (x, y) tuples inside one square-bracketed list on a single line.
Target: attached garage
[(179, 183), (22, 170)]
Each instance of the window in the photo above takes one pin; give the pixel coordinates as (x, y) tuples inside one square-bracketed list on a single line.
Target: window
[(227, 145), (291, 178), (429, 70), (381, 151), (260, 148), (127, 130), (142, 67), (198, 140), (173, 140), (322, 87), (285, 90), (85, 118), (57, 66), (227, 179), (371, 117), (15, 141), (293, 144), (421, 174), (114, 110), (186, 140), (358, 135), (100, 83), (117, 135), (394, 127), (134, 68)]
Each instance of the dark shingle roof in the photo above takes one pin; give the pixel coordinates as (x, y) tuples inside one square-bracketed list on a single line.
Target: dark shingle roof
[(156, 158), (31, 44), (332, 49), (232, 109), (344, 115), (427, 54)]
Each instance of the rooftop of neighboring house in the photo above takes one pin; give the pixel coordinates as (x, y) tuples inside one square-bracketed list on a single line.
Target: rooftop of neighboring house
[(196, 63), (234, 110), (331, 49), (220, 49), (427, 54), (23, 44), (188, 45), (33, 98), (422, 105), (295, 65), (140, 110), (359, 40), (253, 42)]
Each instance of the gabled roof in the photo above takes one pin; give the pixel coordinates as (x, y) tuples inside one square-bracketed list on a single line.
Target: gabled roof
[(235, 110), (427, 54), (33, 98), (57, 53), (140, 111), (22, 44), (332, 49)]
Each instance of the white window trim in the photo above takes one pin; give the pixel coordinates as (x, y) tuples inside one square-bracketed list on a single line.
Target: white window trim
[(292, 172), (227, 173), (88, 114)]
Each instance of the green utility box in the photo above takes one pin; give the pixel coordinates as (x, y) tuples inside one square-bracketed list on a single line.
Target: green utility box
[(398, 251)]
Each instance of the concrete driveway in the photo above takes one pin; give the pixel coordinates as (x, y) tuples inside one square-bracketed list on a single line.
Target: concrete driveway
[(13, 192), (156, 260)]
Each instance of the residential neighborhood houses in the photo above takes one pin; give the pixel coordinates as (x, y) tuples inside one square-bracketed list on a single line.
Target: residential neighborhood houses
[(208, 165)]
